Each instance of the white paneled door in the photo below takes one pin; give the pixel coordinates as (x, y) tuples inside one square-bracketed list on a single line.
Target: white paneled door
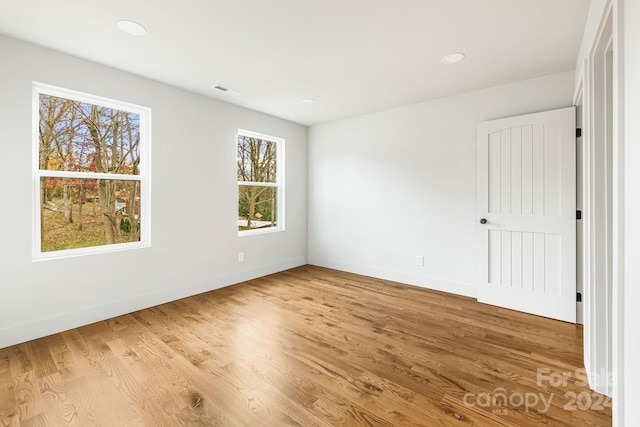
[(527, 213)]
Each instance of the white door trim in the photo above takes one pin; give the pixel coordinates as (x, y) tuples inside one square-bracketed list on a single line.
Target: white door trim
[(600, 193)]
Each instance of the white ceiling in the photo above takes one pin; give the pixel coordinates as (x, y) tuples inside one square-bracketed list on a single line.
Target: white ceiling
[(351, 56)]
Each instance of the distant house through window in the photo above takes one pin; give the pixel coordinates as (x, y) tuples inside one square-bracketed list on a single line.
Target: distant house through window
[(91, 173), (260, 166)]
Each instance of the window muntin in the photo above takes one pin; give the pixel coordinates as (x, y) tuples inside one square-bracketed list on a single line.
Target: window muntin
[(260, 164), (91, 173)]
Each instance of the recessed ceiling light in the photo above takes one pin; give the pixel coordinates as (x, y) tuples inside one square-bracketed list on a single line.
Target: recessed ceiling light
[(131, 27), (308, 101), (453, 58)]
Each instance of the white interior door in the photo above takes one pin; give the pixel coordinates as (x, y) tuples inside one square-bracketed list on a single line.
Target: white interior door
[(526, 213)]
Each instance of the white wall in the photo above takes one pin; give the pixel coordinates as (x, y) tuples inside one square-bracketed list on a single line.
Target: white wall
[(630, 344), (194, 242), (388, 186)]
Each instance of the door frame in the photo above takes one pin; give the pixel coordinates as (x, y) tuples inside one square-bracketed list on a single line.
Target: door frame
[(626, 199), (600, 194), (580, 205)]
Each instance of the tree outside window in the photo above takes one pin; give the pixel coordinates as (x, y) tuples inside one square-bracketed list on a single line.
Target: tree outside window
[(260, 194), (91, 173)]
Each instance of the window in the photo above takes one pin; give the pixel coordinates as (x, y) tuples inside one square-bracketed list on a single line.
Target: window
[(260, 183), (91, 173)]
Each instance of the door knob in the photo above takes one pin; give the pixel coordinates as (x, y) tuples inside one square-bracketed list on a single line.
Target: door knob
[(483, 220)]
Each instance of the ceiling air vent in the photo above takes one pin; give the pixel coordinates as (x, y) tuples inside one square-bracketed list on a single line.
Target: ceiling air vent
[(227, 90)]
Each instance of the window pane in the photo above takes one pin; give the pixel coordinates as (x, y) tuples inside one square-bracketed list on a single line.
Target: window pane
[(80, 213), (82, 137), (256, 207), (256, 159)]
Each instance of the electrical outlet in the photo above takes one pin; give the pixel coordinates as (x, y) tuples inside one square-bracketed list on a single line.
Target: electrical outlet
[(420, 260), (240, 256)]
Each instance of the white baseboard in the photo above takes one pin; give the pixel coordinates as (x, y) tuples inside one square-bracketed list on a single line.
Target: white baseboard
[(458, 288), (39, 328)]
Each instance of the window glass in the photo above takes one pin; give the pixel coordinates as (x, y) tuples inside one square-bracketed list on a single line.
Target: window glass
[(260, 183), (92, 173)]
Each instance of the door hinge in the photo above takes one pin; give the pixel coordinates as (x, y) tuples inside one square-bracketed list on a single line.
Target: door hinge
[(578, 214), (578, 132), (579, 297)]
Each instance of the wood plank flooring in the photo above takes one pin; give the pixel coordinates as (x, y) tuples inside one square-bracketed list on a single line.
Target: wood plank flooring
[(305, 347)]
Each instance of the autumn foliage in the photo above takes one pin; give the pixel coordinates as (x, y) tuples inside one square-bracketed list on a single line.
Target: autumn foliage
[(88, 155)]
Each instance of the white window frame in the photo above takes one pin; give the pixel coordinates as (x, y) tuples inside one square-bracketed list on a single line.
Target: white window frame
[(144, 175), (279, 184)]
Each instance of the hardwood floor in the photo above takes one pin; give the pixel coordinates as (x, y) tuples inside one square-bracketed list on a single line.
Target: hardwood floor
[(309, 347)]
